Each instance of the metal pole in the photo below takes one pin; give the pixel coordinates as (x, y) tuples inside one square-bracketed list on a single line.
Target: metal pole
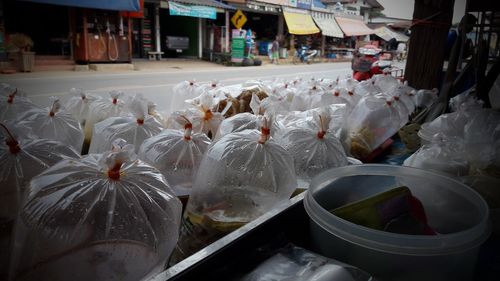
[(157, 28), (226, 45)]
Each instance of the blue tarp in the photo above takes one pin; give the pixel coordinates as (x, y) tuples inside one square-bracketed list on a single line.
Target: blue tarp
[(116, 5)]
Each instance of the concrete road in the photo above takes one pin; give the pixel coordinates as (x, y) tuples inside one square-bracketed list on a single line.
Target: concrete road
[(156, 84)]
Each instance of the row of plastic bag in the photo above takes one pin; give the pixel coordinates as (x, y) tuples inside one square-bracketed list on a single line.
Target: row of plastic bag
[(252, 165)]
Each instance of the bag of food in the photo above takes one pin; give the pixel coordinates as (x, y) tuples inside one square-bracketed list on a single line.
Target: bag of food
[(241, 177), (133, 128), (374, 119), (12, 105), (103, 217), (243, 121), (22, 156), (176, 154), (292, 263), (183, 91), (314, 148), (204, 116), (444, 154), (385, 82), (366, 87), (340, 95), (100, 110), (78, 104), (54, 123)]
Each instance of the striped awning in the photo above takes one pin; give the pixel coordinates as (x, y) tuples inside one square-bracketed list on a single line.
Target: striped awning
[(387, 34), (328, 26), (300, 24), (353, 27)]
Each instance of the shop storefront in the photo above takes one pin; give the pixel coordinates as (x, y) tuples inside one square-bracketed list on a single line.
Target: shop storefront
[(83, 31)]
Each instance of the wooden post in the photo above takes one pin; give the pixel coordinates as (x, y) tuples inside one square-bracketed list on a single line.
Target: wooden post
[(323, 41), (85, 36), (431, 23)]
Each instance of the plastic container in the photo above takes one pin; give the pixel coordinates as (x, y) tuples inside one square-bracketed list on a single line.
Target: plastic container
[(455, 211)]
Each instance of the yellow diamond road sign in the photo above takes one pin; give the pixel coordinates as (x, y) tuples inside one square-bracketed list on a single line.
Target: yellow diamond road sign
[(238, 19)]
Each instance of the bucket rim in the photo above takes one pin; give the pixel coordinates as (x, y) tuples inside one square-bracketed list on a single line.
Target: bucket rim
[(401, 244)]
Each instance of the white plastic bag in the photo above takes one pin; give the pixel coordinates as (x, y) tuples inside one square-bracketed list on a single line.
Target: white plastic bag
[(134, 129), (244, 121), (12, 105), (366, 87), (78, 104), (444, 154), (204, 117), (314, 148), (241, 177), (100, 110), (176, 154), (386, 82), (293, 263), (54, 123), (22, 156), (466, 101), (183, 91), (425, 98), (102, 217), (374, 119), (481, 140)]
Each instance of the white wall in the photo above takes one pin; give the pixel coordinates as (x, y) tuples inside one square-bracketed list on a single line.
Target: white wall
[(403, 9)]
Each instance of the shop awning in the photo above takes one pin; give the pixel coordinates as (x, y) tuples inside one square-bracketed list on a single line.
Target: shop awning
[(328, 26), (300, 24), (353, 27), (115, 5), (387, 34)]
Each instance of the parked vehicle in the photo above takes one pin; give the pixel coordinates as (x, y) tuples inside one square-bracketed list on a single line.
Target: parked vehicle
[(366, 63), (305, 55)]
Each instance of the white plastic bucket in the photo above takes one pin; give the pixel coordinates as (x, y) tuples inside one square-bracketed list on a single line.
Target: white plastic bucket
[(453, 209)]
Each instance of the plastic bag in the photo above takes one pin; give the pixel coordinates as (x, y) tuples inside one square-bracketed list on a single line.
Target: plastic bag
[(12, 106), (204, 117), (481, 138), (241, 177), (100, 110), (22, 156), (177, 154), (466, 101), (54, 123), (450, 124), (314, 148), (425, 98), (298, 264), (102, 217), (340, 95), (134, 128), (366, 87), (374, 119), (244, 121), (444, 154), (78, 105), (386, 82), (184, 91)]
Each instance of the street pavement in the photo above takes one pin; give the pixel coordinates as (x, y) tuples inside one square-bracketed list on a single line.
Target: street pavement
[(155, 79)]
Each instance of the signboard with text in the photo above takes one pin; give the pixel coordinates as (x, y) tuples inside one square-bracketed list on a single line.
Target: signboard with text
[(304, 4), (177, 9), (237, 49)]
